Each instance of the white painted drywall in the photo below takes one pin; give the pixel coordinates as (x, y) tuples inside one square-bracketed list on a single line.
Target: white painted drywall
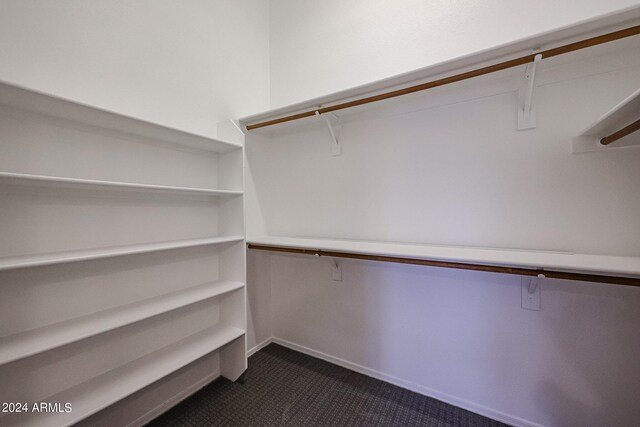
[(319, 48), (183, 64), (450, 167)]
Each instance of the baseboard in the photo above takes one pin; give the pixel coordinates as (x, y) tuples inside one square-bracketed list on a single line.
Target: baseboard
[(170, 403), (260, 346), (173, 401), (447, 398)]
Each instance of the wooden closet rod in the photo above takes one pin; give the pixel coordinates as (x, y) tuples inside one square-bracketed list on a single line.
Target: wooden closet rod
[(572, 47), (627, 130), (613, 280)]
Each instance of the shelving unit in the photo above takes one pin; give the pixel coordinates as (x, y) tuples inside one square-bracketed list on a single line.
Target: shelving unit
[(104, 390), (621, 115), (75, 183), (599, 268), (194, 222)]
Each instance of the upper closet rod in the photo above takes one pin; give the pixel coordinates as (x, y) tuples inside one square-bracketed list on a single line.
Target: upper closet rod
[(627, 130), (594, 41)]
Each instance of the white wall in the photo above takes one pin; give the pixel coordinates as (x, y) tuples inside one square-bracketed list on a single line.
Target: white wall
[(450, 167), (323, 47), (183, 64)]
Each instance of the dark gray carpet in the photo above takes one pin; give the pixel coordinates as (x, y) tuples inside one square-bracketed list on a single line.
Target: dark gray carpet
[(285, 388)]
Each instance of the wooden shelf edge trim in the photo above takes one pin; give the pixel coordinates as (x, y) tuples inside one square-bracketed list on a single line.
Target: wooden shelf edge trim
[(583, 277), (571, 47)]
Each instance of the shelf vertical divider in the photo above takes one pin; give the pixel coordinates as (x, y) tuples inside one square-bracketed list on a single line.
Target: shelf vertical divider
[(233, 307)]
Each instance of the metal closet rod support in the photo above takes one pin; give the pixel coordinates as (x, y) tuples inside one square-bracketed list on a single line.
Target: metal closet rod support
[(572, 47), (613, 280)]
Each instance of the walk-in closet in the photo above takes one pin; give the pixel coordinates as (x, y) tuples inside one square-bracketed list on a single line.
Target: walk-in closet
[(338, 213)]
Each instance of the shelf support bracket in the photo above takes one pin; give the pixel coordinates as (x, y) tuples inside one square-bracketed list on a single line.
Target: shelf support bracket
[(526, 112), (336, 270), (531, 292), (336, 147), (534, 283)]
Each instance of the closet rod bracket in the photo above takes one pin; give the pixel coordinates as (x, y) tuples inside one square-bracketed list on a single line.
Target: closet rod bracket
[(526, 112), (535, 282), (336, 147), (336, 270), (531, 292)]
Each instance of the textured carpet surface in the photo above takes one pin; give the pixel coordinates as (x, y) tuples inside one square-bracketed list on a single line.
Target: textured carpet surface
[(285, 388)]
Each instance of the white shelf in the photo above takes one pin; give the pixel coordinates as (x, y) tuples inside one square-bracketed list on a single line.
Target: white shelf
[(56, 181), (51, 105), (89, 254), (106, 389), (559, 261), (623, 114), (25, 344)]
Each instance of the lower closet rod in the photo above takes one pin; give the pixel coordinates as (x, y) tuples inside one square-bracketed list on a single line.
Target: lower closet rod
[(612, 280)]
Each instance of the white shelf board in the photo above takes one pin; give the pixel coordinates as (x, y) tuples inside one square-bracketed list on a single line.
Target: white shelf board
[(57, 181), (43, 103), (623, 114), (29, 343), (8, 263), (106, 389), (560, 261)]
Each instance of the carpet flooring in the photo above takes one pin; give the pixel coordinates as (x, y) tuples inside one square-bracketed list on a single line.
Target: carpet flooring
[(283, 387)]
